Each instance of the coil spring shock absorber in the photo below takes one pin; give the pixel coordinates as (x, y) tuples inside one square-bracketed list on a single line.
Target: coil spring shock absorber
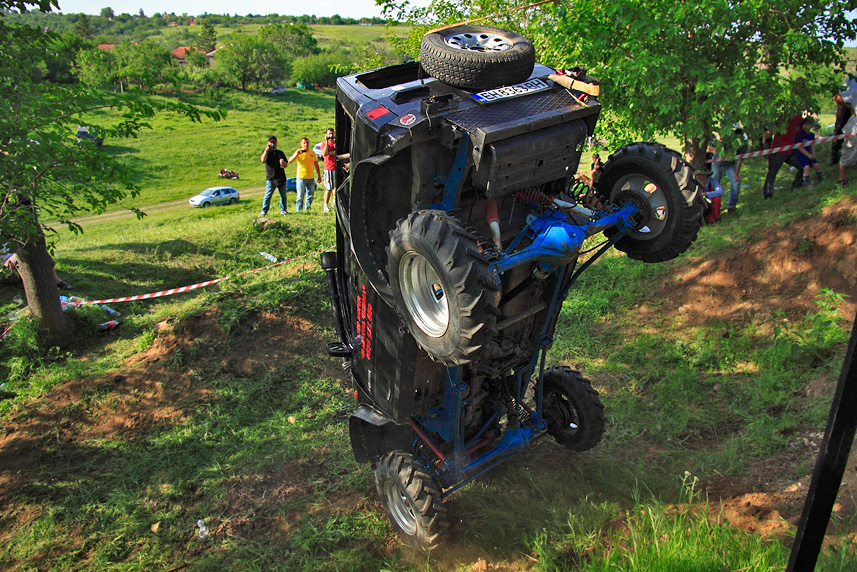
[(425, 452), (535, 196), (524, 415)]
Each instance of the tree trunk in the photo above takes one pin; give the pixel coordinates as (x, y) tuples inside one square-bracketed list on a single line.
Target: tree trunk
[(694, 152), (36, 268)]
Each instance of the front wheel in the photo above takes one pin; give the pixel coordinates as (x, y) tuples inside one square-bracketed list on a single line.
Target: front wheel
[(412, 500), (443, 286), (658, 177), (206, 205), (572, 409)]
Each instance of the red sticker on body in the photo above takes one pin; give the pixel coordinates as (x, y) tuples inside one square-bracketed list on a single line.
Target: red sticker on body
[(408, 119)]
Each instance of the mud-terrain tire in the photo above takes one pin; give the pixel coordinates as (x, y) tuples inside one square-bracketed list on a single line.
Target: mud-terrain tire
[(443, 286), (412, 500), (572, 409), (665, 182), (477, 57)]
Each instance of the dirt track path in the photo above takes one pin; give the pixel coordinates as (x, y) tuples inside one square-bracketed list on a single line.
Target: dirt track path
[(154, 208)]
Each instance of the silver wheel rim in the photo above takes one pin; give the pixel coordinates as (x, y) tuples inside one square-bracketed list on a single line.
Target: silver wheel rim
[(400, 508), (478, 42), (652, 194), (423, 294)]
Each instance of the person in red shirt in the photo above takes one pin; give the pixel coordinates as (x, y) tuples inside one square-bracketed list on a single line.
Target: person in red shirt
[(776, 160), (328, 151)]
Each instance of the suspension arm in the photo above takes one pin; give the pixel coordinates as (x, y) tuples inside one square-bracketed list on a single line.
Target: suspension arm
[(556, 240)]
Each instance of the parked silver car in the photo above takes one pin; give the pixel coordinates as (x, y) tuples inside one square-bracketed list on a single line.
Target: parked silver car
[(215, 196)]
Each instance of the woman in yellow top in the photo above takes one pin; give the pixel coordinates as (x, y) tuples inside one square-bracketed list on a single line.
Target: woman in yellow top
[(307, 161)]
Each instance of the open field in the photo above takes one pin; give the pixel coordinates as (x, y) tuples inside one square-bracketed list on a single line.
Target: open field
[(177, 160)]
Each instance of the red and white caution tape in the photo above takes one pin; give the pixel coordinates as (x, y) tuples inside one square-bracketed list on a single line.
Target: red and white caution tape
[(198, 285), (172, 291), (784, 148)]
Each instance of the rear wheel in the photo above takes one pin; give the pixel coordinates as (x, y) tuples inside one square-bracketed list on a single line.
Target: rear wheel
[(572, 409), (477, 57), (444, 288), (412, 500), (233, 200), (660, 179)]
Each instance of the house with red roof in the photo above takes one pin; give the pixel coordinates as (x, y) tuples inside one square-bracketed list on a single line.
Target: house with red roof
[(181, 52)]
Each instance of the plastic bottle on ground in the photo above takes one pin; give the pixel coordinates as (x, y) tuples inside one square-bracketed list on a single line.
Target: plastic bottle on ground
[(270, 257), (17, 315), (203, 530), (110, 311), (111, 325)]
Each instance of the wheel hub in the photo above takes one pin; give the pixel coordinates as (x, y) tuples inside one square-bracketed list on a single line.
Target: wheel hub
[(478, 42), (424, 297), (649, 198), (559, 417), (400, 508)]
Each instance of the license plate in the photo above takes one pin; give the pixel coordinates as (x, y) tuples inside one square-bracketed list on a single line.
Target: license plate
[(510, 91)]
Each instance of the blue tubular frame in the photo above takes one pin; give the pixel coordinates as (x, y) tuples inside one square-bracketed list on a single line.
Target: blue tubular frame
[(555, 243), (453, 181)]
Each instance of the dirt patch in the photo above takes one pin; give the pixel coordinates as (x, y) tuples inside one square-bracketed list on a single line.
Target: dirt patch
[(784, 270), (157, 387), (781, 272)]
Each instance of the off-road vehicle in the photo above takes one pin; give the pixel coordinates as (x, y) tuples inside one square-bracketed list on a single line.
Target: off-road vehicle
[(459, 226)]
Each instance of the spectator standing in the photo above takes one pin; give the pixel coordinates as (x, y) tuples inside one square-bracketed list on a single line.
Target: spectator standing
[(723, 164), (848, 99), (307, 161), (806, 154), (776, 160), (595, 168), (275, 162), (843, 114), (328, 152)]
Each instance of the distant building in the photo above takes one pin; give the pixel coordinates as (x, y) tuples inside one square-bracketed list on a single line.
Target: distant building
[(181, 52), (213, 54)]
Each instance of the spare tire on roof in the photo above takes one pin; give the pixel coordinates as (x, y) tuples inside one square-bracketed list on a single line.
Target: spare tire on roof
[(477, 57)]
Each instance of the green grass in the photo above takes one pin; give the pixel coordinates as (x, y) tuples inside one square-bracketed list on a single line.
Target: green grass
[(262, 453), (177, 159), (328, 37)]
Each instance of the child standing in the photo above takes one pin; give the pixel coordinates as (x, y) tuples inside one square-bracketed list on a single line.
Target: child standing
[(806, 153)]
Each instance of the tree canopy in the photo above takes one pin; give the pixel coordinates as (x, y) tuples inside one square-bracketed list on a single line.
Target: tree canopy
[(207, 39), (679, 69)]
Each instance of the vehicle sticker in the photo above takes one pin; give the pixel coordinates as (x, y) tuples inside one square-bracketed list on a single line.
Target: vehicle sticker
[(510, 91), (377, 112), (408, 119), (364, 324)]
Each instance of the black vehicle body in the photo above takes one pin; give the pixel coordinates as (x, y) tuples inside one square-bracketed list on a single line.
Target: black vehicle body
[(475, 197)]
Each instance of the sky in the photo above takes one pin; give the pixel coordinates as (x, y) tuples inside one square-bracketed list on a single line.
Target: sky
[(345, 8)]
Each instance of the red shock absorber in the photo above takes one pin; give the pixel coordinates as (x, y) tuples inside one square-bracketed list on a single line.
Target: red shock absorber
[(493, 219), (534, 196)]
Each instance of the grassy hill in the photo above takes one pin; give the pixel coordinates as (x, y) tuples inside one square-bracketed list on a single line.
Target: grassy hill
[(716, 370)]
